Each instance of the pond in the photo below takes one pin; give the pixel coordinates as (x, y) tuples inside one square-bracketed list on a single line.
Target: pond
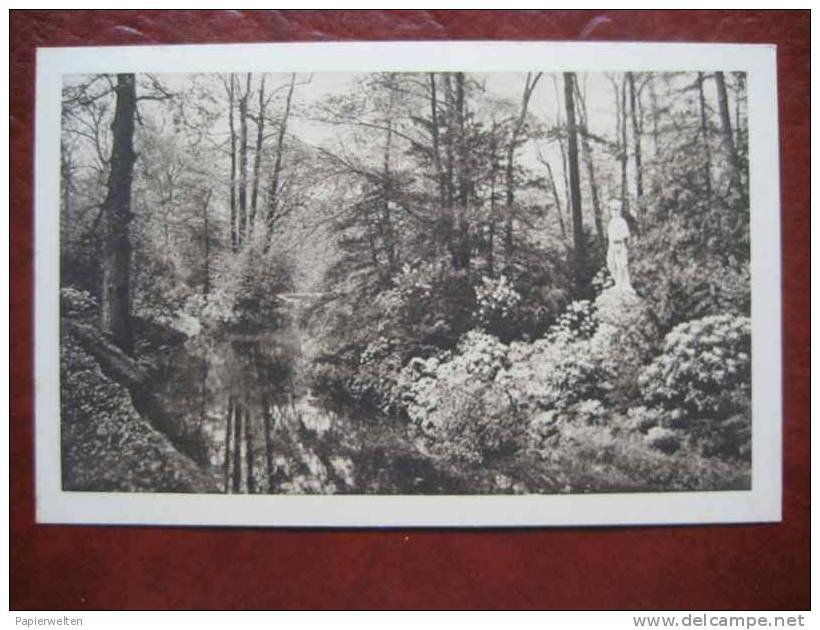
[(248, 416)]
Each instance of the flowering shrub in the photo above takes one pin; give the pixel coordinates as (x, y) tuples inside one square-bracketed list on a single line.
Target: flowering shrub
[(602, 281), (428, 382), (548, 428), (702, 382), (642, 419), (556, 375), (77, 302), (497, 304), (704, 364), (376, 379), (578, 321), (473, 426), (590, 412), (462, 414)]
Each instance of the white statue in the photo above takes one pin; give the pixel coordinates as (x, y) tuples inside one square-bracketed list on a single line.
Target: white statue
[(617, 257)]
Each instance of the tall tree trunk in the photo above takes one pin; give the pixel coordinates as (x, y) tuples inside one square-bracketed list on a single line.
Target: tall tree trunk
[(448, 153), (257, 156), (740, 91), (623, 153), (165, 204), (636, 134), (434, 135), (387, 192), (590, 166), (206, 242), (509, 241), (557, 200), (493, 182), (653, 99), (704, 136), (237, 447), (565, 177), (203, 392), (66, 183), (463, 175), (116, 210), (232, 130), (559, 121), (449, 170), (227, 468), (249, 451), (269, 461), (728, 138), (273, 192), (243, 160), (574, 183)]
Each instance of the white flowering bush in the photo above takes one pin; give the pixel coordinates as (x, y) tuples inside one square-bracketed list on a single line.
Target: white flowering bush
[(471, 368), (642, 418), (702, 383), (578, 321), (548, 428), (474, 425), (415, 281), (556, 374), (602, 281), (453, 400), (704, 366), (497, 303), (77, 302), (375, 381)]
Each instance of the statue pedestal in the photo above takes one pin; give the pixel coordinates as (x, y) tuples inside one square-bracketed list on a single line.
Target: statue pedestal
[(627, 337)]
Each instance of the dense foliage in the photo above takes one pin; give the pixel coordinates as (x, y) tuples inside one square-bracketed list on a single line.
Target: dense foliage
[(106, 444), (450, 230)]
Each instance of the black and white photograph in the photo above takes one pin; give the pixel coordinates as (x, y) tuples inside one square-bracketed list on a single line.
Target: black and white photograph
[(403, 282)]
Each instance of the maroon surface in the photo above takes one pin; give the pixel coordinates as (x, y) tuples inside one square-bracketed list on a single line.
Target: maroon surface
[(750, 566)]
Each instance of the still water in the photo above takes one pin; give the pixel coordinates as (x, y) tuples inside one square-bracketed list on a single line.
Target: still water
[(249, 417)]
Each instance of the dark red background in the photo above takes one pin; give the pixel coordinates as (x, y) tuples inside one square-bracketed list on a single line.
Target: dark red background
[(749, 566)]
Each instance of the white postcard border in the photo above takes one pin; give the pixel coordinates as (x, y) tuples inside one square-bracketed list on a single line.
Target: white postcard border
[(761, 503)]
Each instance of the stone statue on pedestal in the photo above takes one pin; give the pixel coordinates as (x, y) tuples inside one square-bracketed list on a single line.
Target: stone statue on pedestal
[(617, 257)]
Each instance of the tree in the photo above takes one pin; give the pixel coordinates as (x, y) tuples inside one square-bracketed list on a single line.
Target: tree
[(230, 88), (512, 145), (228, 433), (583, 129), (728, 137), (637, 125), (257, 156), (578, 238), (116, 211), (242, 228), (704, 133), (274, 200), (206, 244), (239, 416)]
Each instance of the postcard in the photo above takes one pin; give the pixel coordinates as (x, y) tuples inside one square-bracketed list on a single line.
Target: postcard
[(407, 284)]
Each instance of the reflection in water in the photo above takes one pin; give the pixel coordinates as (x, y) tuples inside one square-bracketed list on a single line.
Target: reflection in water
[(251, 419), (275, 447)]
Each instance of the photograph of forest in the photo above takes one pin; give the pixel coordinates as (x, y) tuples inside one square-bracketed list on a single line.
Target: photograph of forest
[(405, 283)]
